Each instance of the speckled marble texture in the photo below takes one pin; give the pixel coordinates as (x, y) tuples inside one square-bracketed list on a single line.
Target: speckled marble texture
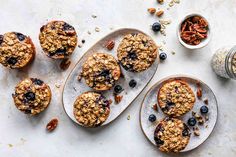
[(23, 136)]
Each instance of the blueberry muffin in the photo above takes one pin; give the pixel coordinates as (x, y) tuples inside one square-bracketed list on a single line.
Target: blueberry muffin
[(137, 52), (32, 96), (176, 98), (91, 109), (171, 135), (100, 71), (58, 39), (16, 50)]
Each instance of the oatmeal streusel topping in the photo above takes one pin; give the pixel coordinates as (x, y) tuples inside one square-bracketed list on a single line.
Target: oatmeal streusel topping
[(91, 109), (58, 39), (16, 50), (100, 71), (172, 135), (176, 98), (137, 52), (32, 96)]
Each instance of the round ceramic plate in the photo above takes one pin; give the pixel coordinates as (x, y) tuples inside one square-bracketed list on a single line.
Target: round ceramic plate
[(73, 88), (150, 99)]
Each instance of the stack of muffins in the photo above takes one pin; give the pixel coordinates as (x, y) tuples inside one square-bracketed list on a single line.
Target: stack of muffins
[(175, 98), (136, 53), (58, 40)]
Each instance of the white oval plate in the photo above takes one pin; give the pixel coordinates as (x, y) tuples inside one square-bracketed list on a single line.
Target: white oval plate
[(74, 88), (150, 99)]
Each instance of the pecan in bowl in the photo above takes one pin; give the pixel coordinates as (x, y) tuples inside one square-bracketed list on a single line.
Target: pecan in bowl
[(194, 31)]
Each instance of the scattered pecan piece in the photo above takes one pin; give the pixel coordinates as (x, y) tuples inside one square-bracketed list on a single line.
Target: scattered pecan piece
[(160, 1), (52, 124), (199, 93), (206, 101), (151, 10), (65, 63), (196, 131), (159, 13), (199, 90), (110, 44), (118, 98), (154, 107), (110, 101)]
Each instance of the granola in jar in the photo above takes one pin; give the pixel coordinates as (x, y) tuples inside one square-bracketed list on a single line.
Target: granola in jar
[(16, 50), (58, 39), (137, 52), (91, 109), (176, 98), (224, 62), (171, 135), (32, 96), (100, 71)]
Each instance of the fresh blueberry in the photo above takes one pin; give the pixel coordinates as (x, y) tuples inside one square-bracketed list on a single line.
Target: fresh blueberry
[(132, 83), (20, 36), (134, 34), (170, 104), (37, 81), (105, 73), (12, 60), (66, 27), (158, 141), (60, 51), (192, 121), (156, 27), (186, 131), (1, 39), (152, 118), (162, 56), (42, 28), (30, 96), (132, 55), (204, 109), (118, 89)]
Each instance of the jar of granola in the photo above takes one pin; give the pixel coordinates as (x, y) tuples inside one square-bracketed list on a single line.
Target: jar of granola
[(224, 62)]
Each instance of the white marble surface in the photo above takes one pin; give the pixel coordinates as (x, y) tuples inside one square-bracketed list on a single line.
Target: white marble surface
[(27, 136)]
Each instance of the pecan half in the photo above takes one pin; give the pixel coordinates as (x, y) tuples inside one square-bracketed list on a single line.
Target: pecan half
[(110, 44), (151, 10), (52, 125), (118, 98), (65, 63)]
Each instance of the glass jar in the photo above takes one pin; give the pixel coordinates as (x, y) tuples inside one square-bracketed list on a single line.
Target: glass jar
[(224, 62)]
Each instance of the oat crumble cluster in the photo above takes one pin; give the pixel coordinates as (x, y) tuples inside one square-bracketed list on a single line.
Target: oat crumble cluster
[(171, 135), (176, 98), (137, 52), (91, 109), (100, 71), (32, 96), (16, 50), (58, 39)]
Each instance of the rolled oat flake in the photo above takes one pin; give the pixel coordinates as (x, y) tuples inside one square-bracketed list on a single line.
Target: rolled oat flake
[(224, 62)]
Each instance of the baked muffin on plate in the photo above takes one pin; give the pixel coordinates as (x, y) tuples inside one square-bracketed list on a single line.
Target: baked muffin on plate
[(58, 39), (16, 50), (91, 109), (100, 71), (137, 52), (176, 98), (171, 135), (32, 96)]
